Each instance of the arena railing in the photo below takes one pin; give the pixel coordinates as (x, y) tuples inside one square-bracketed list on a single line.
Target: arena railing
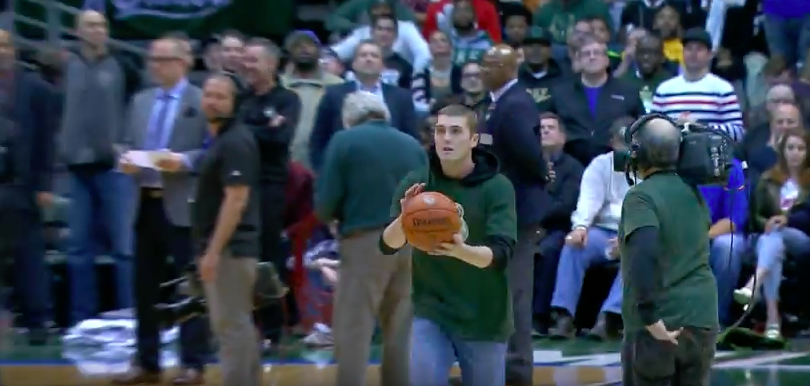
[(54, 27)]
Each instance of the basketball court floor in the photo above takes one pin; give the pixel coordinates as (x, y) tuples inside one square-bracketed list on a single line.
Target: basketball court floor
[(574, 363)]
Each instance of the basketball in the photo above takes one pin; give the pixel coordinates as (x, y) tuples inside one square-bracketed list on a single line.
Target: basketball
[(430, 219)]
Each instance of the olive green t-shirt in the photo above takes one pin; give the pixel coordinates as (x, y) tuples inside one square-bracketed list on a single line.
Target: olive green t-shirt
[(685, 292)]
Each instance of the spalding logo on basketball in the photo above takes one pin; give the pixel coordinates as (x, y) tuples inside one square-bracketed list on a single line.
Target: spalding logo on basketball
[(430, 219)]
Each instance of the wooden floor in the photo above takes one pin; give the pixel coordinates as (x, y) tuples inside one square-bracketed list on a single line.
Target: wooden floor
[(283, 375)]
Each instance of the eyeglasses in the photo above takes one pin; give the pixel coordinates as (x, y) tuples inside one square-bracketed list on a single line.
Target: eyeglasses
[(471, 75)]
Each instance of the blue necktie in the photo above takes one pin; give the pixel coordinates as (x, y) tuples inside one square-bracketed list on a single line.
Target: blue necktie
[(149, 177), (156, 136)]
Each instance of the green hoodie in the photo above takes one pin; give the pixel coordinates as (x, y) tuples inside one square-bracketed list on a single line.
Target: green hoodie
[(354, 13), (469, 302), (559, 16)]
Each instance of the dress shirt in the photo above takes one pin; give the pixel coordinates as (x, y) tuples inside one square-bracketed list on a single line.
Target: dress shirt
[(499, 92), (172, 98)]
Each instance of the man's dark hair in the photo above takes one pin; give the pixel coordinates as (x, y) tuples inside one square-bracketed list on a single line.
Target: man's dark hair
[(375, 20), (660, 140), (550, 115)]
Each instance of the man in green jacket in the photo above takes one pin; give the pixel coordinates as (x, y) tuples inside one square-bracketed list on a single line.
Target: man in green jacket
[(360, 172), (462, 306)]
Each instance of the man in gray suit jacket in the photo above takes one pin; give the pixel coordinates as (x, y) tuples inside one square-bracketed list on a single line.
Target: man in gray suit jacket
[(165, 119)]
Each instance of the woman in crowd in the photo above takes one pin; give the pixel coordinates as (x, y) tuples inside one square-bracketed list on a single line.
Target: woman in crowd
[(777, 191)]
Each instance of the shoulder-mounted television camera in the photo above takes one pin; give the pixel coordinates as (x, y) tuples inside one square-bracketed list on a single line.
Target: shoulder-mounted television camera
[(705, 157)]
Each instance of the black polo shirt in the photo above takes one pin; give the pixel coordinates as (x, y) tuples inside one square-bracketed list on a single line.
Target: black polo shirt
[(231, 160)]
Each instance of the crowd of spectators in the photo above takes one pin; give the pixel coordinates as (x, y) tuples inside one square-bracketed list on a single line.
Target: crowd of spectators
[(591, 66)]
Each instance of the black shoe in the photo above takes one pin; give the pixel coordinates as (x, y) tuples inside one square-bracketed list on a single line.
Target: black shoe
[(38, 336)]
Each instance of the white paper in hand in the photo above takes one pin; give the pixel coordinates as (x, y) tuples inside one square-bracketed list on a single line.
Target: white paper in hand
[(140, 158)]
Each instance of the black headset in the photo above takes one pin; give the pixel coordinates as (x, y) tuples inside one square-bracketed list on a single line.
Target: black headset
[(638, 153)]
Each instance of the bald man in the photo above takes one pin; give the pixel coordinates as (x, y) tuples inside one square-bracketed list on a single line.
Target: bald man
[(757, 147), (97, 85), (669, 287), (510, 129), (26, 131)]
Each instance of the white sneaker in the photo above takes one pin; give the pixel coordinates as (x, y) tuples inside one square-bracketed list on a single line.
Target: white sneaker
[(743, 296)]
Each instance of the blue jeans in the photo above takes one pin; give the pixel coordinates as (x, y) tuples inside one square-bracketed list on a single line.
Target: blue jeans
[(105, 197), (788, 37), (433, 352), (574, 261), (771, 250), (725, 259)]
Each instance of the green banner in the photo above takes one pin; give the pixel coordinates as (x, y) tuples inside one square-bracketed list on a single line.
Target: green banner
[(144, 19), (149, 19)]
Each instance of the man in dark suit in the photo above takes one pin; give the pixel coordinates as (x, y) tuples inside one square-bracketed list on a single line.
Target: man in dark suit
[(27, 102), (510, 131), (367, 66), (165, 119)]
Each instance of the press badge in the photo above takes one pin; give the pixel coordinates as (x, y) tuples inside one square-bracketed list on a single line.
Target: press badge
[(485, 139)]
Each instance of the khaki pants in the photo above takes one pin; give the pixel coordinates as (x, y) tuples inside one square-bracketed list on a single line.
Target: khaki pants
[(230, 307), (372, 287)]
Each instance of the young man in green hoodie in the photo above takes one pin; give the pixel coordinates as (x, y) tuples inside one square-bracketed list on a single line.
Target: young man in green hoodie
[(461, 300)]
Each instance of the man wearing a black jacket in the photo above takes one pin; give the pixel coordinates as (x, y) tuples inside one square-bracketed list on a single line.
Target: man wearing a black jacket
[(27, 121), (558, 202), (271, 112), (589, 104), (539, 71), (509, 130)]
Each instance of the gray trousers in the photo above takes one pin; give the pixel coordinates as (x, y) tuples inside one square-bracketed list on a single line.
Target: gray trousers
[(372, 288), (230, 307), (520, 271), (647, 361)]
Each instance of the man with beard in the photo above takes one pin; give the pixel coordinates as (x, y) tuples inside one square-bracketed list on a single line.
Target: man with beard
[(271, 112), (475, 96), (509, 130), (649, 71), (539, 71), (307, 79), (469, 42)]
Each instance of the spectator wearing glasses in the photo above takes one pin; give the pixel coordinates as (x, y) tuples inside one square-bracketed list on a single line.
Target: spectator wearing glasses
[(589, 104)]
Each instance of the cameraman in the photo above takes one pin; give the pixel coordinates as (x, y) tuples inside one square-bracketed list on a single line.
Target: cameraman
[(670, 297), (271, 112)]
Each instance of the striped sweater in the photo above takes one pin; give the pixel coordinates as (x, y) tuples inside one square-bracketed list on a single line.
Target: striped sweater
[(710, 101)]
